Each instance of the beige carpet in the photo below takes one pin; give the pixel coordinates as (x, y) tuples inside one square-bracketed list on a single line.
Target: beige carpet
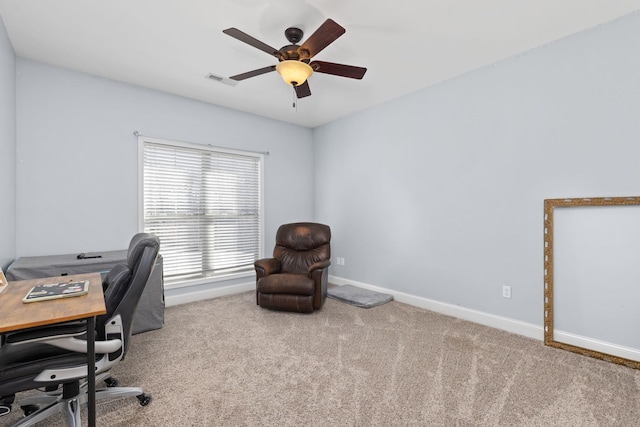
[(227, 362)]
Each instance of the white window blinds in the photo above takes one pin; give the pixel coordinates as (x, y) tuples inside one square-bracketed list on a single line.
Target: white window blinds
[(205, 206)]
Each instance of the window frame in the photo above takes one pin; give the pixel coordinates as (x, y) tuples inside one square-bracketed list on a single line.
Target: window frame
[(179, 283)]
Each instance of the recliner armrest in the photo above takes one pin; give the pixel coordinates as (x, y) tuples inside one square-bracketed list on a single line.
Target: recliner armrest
[(267, 266), (319, 265)]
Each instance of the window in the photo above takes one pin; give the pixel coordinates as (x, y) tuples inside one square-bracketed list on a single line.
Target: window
[(205, 205)]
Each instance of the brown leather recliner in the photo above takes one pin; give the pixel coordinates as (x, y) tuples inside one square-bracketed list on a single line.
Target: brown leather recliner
[(295, 279)]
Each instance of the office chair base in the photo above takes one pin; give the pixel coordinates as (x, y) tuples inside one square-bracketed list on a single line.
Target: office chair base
[(29, 409), (55, 402), (5, 404), (110, 382), (71, 407)]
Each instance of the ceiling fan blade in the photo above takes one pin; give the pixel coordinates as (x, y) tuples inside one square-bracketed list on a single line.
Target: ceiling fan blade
[(323, 37), (338, 69), (303, 90), (252, 41), (253, 73)]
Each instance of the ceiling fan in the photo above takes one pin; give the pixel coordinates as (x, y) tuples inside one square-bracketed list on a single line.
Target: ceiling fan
[(295, 64)]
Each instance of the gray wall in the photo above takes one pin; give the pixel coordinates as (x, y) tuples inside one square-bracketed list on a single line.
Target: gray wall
[(440, 194), (7, 149), (585, 294), (77, 176)]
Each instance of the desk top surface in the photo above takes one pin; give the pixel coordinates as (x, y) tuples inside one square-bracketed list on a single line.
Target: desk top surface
[(15, 314)]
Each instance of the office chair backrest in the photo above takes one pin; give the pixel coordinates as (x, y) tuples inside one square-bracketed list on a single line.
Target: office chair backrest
[(125, 282), (301, 244)]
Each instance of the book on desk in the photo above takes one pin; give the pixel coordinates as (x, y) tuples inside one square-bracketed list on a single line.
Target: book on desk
[(57, 290)]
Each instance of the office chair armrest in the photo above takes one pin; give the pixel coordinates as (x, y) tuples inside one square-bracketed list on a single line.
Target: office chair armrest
[(267, 266), (319, 265), (80, 346), (66, 341), (62, 335)]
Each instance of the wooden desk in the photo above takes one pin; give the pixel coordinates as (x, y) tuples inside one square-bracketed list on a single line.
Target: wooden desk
[(17, 315)]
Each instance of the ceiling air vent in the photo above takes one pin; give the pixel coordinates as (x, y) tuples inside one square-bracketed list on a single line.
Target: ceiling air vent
[(219, 79)]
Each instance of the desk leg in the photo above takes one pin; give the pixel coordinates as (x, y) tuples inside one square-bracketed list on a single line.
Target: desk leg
[(91, 374)]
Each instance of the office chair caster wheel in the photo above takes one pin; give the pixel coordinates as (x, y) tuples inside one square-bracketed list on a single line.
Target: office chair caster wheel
[(144, 399), (5, 404), (111, 382), (29, 409)]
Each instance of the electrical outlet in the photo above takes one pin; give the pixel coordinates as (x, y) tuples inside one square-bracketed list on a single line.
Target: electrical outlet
[(506, 291)]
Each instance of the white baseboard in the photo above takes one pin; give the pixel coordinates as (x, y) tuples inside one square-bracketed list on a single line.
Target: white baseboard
[(186, 297), (499, 322), (504, 323), (596, 345), (510, 325)]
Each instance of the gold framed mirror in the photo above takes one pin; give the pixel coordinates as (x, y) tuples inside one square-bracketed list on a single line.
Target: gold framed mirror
[(600, 223)]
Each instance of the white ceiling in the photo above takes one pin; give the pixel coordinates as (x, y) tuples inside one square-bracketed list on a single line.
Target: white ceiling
[(407, 45)]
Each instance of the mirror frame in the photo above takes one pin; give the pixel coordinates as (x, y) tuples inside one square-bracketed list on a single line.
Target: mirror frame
[(549, 206)]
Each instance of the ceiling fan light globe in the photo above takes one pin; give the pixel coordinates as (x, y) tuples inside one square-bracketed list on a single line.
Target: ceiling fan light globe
[(294, 72)]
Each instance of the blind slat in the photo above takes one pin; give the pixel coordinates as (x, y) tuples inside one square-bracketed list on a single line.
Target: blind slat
[(205, 206)]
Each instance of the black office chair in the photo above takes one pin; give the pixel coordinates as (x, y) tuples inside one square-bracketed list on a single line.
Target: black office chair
[(54, 357)]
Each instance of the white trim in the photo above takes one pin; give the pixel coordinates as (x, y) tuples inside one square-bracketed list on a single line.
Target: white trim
[(504, 323), (210, 279), (187, 297), (196, 146), (499, 322), (596, 345), (262, 186), (140, 184)]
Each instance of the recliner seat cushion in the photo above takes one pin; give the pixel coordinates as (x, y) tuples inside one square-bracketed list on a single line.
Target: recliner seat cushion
[(290, 283), (293, 261)]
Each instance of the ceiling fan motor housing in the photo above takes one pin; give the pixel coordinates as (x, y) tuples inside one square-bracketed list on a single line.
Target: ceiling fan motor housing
[(293, 34), (293, 52)]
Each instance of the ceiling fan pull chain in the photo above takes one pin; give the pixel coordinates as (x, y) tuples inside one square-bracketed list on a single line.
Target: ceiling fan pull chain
[(295, 105)]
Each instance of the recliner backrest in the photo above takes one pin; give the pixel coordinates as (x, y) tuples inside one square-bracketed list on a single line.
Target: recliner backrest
[(301, 244), (125, 283)]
